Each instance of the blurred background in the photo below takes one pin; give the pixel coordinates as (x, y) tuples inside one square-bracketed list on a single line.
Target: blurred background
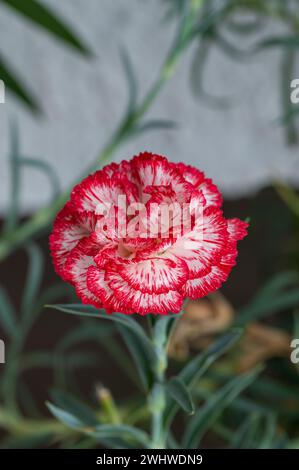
[(88, 82)]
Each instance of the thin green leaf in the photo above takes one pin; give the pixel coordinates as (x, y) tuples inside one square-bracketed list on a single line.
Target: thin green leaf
[(42, 16), (277, 283), (208, 414), (47, 169), (15, 85), (131, 80), (198, 67), (279, 41), (211, 18), (273, 305), (104, 433), (15, 179), (244, 435), (7, 314), (143, 362), (129, 433), (155, 124), (180, 394), (33, 278), (196, 368), (75, 407), (128, 322), (65, 417), (268, 439)]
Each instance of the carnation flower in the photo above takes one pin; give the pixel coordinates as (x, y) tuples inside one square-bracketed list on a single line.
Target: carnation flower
[(142, 235)]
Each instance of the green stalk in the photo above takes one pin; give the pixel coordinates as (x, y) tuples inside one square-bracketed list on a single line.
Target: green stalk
[(157, 398)]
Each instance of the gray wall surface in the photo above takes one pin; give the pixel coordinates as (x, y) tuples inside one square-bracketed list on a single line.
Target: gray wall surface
[(240, 147)]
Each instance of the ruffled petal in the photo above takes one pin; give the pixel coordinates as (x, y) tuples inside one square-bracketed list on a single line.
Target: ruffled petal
[(155, 275), (69, 228), (211, 281), (137, 301), (197, 178), (76, 268), (100, 289), (204, 246), (155, 170)]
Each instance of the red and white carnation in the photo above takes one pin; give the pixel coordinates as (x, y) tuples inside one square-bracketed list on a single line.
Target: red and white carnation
[(116, 267)]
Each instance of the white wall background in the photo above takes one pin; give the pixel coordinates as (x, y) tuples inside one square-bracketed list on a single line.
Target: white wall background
[(240, 148)]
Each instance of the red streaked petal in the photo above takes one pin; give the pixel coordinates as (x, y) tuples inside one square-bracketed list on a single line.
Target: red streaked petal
[(191, 174), (99, 287), (76, 268), (155, 170), (211, 193), (237, 229), (197, 178), (213, 280), (205, 243), (96, 192), (155, 275), (141, 302), (68, 230)]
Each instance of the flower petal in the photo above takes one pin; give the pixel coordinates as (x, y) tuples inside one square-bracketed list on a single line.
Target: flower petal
[(197, 178), (155, 170), (68, 230), (100, 289), (154, 275), (142, 302), (76, 268)]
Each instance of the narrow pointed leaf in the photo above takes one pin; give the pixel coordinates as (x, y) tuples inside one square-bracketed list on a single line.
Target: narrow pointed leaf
[(180, 394), (268, 439), (89, 311), (156, 124), (279, 41), (143, 361), (75, 407), (208, 414), (7, 314), (65, 417), (244, 435), (131, 79), (33, 278), (196, 368), (50, 22), (47, 169), (123, 431), (15, 86), (257, 310)]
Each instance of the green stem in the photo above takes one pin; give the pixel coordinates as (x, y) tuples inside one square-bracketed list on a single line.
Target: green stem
[(157, 398)]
